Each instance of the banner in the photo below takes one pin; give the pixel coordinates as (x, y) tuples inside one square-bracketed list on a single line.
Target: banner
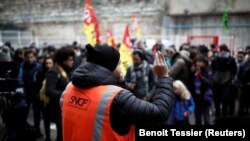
[(225, 19), (90, 24), (125, 52), (136, 26), (110, 39)]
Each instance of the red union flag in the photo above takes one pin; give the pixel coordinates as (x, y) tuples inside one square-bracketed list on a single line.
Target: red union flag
[(90, 24), (110, 39), (136, 26), (125, 52)]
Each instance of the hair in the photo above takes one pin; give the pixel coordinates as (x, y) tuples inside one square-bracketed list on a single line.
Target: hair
[(140, 53), (18, 52), (194, 52), (185, 94), (224, 47), (63, 54), (51, 48), (41, 57), (45, 59), (202, 59), (29, 51)]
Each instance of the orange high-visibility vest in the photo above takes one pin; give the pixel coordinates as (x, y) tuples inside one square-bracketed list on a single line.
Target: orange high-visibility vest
[(86, 114)]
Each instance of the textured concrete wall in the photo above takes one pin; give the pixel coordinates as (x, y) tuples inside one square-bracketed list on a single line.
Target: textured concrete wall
[(62, 19), (179, 7)]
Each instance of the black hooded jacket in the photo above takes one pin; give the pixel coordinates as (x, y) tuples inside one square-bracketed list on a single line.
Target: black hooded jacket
[(126, 109)]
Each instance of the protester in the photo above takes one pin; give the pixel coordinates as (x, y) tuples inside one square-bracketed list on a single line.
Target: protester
[(203, 96), (183, 105), (149, 57), (235, 89), (246, 51), (51, 50), (93, 82), (180, 68), (19, 55), (158, 46), (240, 56), (244, 80), (78, 55), (224, 70), (40, 59), (57, 79), (27, 74), (33, 48), (140, 78), (169, 54), (41, 94)]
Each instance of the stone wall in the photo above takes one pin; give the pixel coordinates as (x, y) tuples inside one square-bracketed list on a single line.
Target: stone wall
[(61, 20)]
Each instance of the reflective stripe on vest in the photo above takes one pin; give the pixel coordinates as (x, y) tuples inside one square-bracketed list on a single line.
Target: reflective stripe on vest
[(101, 112), (86, 114)]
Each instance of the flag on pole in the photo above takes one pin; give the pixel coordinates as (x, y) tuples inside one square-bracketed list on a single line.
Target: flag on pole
[(225, 20), (110, 39), (136, 26), (90, 24), (125, 52)]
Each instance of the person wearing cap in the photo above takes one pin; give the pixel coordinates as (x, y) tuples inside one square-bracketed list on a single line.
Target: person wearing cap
[(224, 69), (94, 108)]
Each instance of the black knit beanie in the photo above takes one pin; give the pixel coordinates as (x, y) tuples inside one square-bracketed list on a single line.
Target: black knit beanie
[(103, 55)]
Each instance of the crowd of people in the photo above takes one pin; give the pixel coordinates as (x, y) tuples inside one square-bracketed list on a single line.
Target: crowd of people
[(205, 77)]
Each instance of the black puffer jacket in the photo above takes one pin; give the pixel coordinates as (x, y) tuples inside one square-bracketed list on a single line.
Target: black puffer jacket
[(126, 109)]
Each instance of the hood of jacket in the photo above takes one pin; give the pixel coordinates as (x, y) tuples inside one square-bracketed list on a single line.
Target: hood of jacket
[(90, 75)]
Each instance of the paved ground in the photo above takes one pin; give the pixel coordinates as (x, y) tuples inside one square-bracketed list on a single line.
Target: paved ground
[(30, 121)]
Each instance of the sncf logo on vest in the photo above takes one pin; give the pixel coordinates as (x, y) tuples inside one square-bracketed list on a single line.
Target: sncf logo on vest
[(79, 102)]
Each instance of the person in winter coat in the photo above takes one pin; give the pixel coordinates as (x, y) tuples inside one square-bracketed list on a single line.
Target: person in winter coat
[(140, 78), (183, 105), (224, 69), (57, 79), (41, 94), (27, 75), (149, 57), (93, 83), (202, 87), (180, 68), (244, 80), (169, 53)]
